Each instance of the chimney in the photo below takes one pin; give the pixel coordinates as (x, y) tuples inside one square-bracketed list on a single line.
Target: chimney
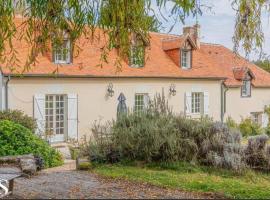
[(194, 33)]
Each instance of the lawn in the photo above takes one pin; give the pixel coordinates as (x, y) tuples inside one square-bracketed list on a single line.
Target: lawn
[(193, 178)]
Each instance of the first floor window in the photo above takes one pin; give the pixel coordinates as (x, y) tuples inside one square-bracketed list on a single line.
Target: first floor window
[(246, 88), (55, 114), (141, 101), (62, 53), (197, 103)]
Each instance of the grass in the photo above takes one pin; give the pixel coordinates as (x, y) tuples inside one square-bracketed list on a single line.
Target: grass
[(188, 177)]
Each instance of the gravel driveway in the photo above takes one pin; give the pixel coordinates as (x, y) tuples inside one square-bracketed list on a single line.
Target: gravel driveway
[(65, 182)]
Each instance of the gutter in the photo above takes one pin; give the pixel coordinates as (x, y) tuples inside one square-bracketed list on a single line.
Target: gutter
[(6, 92), (106, 76), (224, 90)]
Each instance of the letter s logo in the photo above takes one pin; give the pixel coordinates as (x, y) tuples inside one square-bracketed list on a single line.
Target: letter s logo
[(3, 187)]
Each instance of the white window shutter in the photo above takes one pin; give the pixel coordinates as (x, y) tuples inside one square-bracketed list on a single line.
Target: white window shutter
[(206, 103), (39, 113), (72, 116), (146, 100), (265, 120), (188, 103)]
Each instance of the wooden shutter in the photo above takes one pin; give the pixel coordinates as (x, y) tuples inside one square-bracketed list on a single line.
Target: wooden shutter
[(265, 120), (39, 113), (72, 119), (146, 100), (188, 103), (206, 103)]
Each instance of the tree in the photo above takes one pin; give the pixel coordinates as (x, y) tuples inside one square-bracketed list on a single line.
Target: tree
[(47, 20), (264, 64)]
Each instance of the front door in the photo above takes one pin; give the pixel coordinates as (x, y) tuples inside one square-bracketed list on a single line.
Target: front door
[(56, 117)]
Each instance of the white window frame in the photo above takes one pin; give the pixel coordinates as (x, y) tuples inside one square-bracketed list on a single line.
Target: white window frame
[(246, 88), (59, 53), (55, 121), (186, 59), (197, 103), (257, 117), (143, 102)]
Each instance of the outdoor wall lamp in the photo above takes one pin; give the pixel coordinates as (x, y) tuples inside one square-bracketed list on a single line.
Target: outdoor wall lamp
[(110, 90), (172, 90)]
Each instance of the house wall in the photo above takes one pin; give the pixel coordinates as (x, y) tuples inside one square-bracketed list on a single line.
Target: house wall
[(238, 107), (93, 104)]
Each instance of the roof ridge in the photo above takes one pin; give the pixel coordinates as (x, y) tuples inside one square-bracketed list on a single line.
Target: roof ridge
[(213, 44)]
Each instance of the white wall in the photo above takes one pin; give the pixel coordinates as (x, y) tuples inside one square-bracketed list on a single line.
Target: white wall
[(95, 105), (238, 107)]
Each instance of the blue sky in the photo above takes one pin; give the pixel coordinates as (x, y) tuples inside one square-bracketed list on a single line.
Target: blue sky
[(217, 25)]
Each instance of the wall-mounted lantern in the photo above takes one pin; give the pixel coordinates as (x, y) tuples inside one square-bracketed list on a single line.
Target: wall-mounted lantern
[(110, 91), (172, 90)]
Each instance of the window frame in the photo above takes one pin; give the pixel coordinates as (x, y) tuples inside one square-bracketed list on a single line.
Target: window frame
[(257, 117), (188, 58), (61, 48), (197, 103), (134, 61), (143, 106), (56, 128), (247, 93)]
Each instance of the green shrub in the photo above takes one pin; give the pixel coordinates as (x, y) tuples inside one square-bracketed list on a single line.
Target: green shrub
[(15, 139), (157, 135), (85, 166), (231, 123), (74, 152), (249, 128), (20, 118), (267, 130)]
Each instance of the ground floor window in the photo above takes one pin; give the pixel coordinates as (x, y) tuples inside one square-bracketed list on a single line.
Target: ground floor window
[(55, 114), (197, 103), (257, 117), (141, 101)]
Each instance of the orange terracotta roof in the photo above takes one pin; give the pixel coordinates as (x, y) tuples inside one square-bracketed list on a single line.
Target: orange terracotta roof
[(210, 61), (227, 61)]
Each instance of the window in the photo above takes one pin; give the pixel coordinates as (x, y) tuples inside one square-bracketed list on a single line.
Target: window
[(55, 114), (137, 56), (256, 117), (186, 59), (197, 103), (141, 101), (246, 88), (62, 54)]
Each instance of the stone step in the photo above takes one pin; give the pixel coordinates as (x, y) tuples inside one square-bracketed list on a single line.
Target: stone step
[(63, 148)]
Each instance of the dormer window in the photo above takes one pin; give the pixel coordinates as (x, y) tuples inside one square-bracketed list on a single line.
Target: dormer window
[(62, 53), (186, 54), (246, 88), (137, 56), (186, 59), (137, 52)]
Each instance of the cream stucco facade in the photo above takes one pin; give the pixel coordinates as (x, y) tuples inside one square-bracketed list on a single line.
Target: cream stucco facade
[(94, 103), (239, 107)]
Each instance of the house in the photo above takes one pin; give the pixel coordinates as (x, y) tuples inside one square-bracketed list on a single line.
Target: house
[(67, 93)]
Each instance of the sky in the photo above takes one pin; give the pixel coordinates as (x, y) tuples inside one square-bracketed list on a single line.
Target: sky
[(217, 25)]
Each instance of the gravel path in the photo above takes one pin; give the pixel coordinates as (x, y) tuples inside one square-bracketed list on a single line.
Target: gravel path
[(65, 182)]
